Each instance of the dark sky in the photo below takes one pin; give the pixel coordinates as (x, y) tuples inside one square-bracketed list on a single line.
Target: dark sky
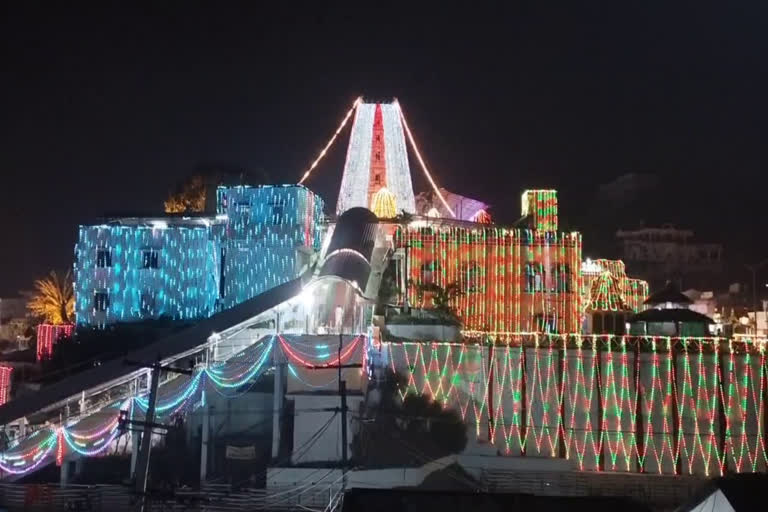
[(106, 109)]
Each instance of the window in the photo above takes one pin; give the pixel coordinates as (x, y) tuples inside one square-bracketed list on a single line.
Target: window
[(103, 258), (150, 258), (377, 179), (277, 212), (378, 156), (561, 279), (546, 323), (147, 305), (535, 277), (428, 272), (100, 300), (470, 278)]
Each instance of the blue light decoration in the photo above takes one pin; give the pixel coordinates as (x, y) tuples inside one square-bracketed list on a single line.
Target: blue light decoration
[(186, 268), (228, 379)]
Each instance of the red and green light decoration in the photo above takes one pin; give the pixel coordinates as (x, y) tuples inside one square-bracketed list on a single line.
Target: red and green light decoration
[(605, 294), (508, 279), (613, 287), (634, 404), (541, 206)]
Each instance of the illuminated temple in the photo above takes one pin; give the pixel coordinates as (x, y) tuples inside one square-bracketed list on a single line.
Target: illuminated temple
[(569, 362)]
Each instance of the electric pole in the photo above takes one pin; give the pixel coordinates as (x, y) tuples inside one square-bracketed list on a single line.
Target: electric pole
[(142, 464), (343, 408), (754, 268)]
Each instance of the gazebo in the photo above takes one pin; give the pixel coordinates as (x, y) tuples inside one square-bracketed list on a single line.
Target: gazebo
[(667, 313)]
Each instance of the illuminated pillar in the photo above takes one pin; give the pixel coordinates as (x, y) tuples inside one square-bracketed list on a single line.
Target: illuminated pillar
[(523, 399), (601, 449), (673, 354), (639, 431), (721, 415), (562, 361)]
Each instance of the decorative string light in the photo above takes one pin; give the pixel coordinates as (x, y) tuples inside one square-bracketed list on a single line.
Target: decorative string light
[(383, 204), (330, 142), (233, 374), (192, 269), (421, 162), (508, 279), (541, 206), (5, 383), (48, 335), (543, 395), (321, 360)]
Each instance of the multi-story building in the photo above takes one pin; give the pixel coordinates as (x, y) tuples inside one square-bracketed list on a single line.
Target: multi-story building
[(504, 279), (661, 254), (188, 267)]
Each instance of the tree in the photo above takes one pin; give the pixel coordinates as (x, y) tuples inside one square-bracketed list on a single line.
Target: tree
[(442, 298), (189, 197), (53, 299), (191, 194), (411, 431)]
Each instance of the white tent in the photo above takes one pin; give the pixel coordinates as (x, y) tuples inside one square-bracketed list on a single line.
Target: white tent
[(738, 493)]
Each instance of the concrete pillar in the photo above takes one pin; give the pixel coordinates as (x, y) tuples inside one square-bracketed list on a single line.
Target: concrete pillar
[(135, 443), (64, 474), (68, 464), (205, 442), (277, 409), (279, 391)]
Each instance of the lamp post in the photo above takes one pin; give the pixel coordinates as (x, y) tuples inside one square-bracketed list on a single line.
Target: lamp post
[(754, 268)]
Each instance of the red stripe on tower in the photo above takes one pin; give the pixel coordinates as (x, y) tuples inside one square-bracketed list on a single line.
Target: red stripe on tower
[(378, 178)]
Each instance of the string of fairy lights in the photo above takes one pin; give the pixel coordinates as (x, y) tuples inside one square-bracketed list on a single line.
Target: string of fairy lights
[(358, 101), (651, 404), (610, 403), (196, 267), (179, 396), (504, 279)]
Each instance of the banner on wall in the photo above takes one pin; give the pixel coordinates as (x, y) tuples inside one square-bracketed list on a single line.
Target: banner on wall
[(241, 452)]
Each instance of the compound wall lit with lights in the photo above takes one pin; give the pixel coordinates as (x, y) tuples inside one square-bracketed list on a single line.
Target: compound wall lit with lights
[(183, 268), (650, 404)]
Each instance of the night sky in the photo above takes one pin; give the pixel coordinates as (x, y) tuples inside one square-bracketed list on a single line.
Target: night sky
[(106, 110)]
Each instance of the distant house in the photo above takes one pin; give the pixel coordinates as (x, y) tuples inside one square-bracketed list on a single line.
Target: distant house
[(658, 254)]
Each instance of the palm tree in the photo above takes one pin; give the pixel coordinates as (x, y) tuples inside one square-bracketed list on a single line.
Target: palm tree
[(53, 299)]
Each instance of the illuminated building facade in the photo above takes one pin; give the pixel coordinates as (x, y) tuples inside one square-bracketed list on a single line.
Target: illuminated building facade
[(507, 280), (431, 205), (48, 335), (184, 268)]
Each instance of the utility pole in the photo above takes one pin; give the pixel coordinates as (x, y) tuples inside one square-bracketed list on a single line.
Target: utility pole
[(343, 396), (343, 409), (142, 464), (754, 268)]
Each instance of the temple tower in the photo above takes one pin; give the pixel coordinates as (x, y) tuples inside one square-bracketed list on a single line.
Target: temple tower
[(376, 171)]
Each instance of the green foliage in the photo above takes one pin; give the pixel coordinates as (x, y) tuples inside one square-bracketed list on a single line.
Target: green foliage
[(388, 289), (442, 298)]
